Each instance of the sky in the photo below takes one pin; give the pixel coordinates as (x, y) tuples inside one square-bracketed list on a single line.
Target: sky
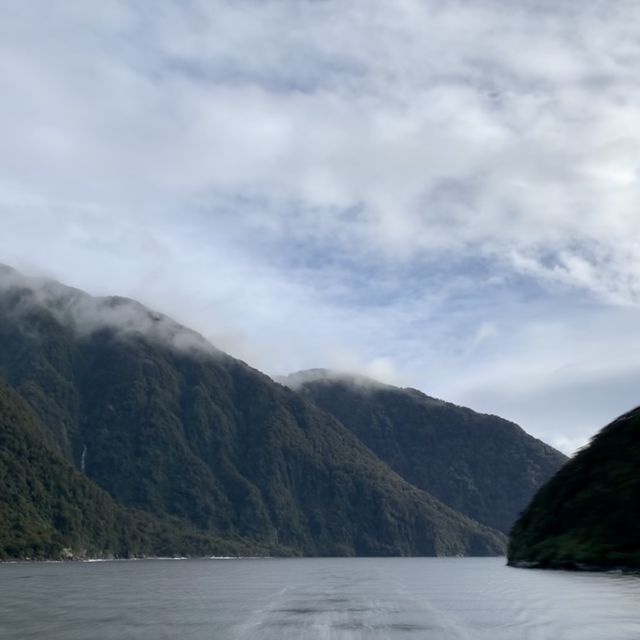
[(442, 194)]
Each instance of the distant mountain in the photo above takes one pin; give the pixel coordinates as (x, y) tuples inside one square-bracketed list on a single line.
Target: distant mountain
[(587, 515), (481, 465), (168, 426)]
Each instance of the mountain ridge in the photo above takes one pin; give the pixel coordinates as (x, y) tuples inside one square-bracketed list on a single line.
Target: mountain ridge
[(479, 464), (180, 432)]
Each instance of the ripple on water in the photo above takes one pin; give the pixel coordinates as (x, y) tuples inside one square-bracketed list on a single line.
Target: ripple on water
[(324, 599)]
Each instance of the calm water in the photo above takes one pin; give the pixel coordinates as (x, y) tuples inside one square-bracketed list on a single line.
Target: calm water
[(430, 598)]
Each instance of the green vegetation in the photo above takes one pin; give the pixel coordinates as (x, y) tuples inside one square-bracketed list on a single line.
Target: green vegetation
[(163, 445), (480, 465), (586, 516), (49, 510)]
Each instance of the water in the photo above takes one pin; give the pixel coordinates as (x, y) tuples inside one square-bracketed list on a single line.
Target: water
[(394, 599)]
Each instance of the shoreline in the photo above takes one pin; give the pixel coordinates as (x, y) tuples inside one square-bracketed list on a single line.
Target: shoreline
[(575, 566), (94, 560)]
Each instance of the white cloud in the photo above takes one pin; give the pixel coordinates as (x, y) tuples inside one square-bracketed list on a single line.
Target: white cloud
[(250, 167)]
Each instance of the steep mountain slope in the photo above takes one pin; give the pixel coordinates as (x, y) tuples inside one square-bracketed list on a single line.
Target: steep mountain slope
[(167, 424), (586, 516), (49, 510), (480, 465)]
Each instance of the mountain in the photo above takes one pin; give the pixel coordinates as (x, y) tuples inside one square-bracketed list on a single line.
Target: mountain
[(50, 510), (480, 465), (586, 516), (150, 413)]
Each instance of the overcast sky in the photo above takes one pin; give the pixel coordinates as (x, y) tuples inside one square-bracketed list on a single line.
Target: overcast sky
[(441, 194)]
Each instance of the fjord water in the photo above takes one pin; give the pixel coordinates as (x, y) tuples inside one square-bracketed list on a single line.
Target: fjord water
[(251, 599)]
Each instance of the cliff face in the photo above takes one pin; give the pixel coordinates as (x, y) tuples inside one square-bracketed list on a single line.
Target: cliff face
[(588, 514), (481, 465)]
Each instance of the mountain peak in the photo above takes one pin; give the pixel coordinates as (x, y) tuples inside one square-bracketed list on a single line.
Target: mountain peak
[(85, 314)]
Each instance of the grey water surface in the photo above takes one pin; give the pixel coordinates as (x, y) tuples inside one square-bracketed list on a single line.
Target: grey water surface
[(264, 599)]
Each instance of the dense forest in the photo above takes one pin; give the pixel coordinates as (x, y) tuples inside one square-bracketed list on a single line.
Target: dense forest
[(586, 516), (123, 409), (50, 510), (481, 465)]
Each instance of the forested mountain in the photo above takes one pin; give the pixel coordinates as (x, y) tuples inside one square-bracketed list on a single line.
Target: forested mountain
[(150, 413), (587, 515), (50, 510), (480, 465)]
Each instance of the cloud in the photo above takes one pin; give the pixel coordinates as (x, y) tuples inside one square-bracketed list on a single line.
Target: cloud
[(85, 314), (486, 331), (306, 182)]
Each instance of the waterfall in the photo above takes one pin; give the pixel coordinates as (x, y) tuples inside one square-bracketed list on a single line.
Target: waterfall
[(83, 457)]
